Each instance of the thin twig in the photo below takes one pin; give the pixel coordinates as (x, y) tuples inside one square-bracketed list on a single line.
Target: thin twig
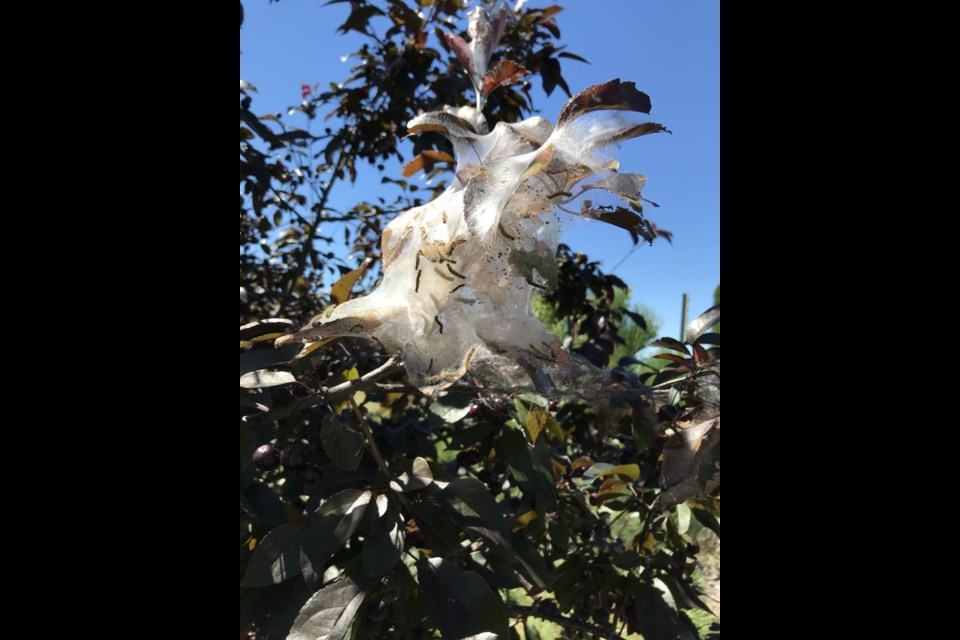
[(585, 627), (374, 449), (333, 394)]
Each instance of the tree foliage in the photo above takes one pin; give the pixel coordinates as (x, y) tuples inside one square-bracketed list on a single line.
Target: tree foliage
[(368, 510)]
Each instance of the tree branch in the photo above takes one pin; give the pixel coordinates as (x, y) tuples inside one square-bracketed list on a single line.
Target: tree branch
[(333, 394)]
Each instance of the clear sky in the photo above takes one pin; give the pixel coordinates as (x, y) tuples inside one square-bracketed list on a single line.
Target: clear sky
[(671, 50)]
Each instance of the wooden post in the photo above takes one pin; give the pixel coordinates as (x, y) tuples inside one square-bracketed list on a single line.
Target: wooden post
[(683, 318)]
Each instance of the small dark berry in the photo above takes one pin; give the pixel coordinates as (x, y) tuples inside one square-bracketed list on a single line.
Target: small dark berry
[(693, 547), (591, 601), (499, 466), (601, 616), (266, 457), (594, 499), (310, 473), (477, 411), (485, 476), (499, 403), (553, 406)]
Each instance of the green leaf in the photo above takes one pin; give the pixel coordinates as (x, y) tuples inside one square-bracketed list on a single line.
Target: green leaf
[(631, 471), (459, 601), (330, 527), (531, 467), (532, 564), (276, 558), (707, 519), (683, 518), (470, 500), (452, 407), (529, 630), (342, 444), (463, 438), (328, 614), (654, 618)]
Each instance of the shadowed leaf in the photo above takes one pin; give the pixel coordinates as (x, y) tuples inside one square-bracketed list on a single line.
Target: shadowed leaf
[(670, 343), (329, 529), (341, 443), (459, 601)]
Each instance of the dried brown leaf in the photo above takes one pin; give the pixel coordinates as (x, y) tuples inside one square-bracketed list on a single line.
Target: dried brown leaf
[(609, 95), (425, 160), (505, 72)]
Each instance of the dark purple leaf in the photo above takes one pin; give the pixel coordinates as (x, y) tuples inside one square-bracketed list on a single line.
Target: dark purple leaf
[(670, 343)]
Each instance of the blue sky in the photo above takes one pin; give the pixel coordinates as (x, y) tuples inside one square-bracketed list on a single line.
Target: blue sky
[(670, 49)]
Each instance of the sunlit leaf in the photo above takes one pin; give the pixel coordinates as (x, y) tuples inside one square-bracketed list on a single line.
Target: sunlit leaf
[(536, 420), (327, 615), (630, 471), (703, 322), (683, 518), (340, 292), (265, 378), (276, 558)]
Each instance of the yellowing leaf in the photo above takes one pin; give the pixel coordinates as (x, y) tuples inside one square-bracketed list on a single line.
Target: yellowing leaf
[(426, 160), (649, 542), (582, 461), (536, 421), (560, 469), (341, 290), (523, 520), (611, 484), (263, 338), (310, 347), (631, 471)]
